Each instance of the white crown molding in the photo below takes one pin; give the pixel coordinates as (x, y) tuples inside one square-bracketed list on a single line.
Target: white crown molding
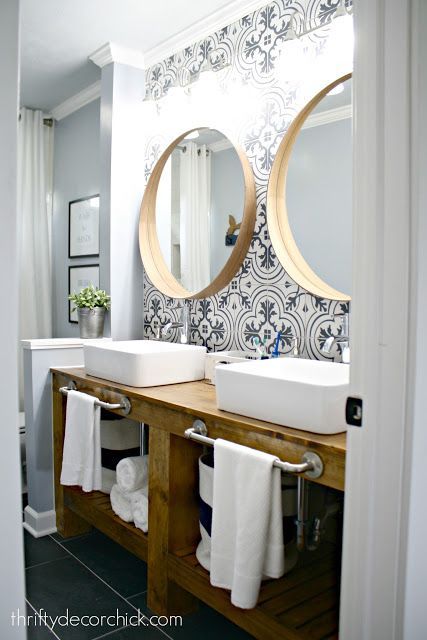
[(325, 117), (231, 12), (77, 101), (220, 145), (112, 52)]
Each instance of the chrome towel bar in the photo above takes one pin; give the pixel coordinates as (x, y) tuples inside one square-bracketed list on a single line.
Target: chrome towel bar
[(311, 465), (124, 403)]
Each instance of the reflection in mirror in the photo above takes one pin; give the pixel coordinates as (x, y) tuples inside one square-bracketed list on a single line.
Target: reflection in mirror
[(319, 189), (199, 207)]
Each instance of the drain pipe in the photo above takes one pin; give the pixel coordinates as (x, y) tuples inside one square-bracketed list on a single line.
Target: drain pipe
[(301, 521)]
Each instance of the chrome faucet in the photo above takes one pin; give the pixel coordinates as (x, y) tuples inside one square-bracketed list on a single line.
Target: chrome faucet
[(342, 338), (184, 324)]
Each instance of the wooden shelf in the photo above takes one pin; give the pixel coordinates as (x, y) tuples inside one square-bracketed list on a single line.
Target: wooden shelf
[(303, 605), (95, 508)]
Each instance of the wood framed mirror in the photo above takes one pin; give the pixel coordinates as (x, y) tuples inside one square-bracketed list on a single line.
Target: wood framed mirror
[(310, 194), (197, 215)]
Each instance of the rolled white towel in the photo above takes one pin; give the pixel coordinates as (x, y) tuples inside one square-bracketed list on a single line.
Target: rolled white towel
[(108, 480), (132, 473), (120, 503), (139, 504)]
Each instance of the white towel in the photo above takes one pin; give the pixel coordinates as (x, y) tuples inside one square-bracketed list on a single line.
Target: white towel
[(120, 503), (81, 458), (108, 480), (132, 473), (139, 504), (247, 529)]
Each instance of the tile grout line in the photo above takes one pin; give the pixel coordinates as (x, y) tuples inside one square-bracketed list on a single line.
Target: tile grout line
[(140, 593), (41, 564), (110, 633), (82, 535), (93, 573), (46, 625), (110, 587)]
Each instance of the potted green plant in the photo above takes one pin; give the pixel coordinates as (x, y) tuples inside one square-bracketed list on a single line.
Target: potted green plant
[(91, 304)]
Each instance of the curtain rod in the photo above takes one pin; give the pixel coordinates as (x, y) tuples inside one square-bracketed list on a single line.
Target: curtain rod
[(184, 149), (48, 122)]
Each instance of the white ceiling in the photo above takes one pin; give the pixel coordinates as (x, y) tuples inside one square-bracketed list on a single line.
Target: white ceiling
[(57, 36)]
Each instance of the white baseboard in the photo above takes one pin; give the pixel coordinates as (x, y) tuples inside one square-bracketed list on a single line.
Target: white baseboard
[(39, 524)]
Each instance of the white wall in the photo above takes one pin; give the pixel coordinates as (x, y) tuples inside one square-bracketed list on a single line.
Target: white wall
[(121, 187), (11, 548), (415, 624), (76, 175)]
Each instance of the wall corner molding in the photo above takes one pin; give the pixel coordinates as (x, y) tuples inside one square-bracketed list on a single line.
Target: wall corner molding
[(326, 117), (112, 52), (77, 101), (228, 14)]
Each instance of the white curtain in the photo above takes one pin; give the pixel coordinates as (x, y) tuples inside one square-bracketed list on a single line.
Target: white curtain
[(195, 196), (35, 173)]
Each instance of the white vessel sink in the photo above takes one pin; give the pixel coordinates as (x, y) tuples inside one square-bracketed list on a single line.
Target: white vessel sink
[(144, 363), (303, 394)]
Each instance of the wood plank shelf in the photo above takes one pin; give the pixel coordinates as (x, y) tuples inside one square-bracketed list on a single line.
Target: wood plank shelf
[(303, 605), (95, 508)]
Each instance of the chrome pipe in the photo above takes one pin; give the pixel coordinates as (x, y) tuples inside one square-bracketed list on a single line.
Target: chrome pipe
[(301, 521), (124, 403), (311, 465)]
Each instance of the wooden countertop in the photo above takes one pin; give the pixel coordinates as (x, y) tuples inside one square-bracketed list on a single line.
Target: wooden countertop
[(198, 398)]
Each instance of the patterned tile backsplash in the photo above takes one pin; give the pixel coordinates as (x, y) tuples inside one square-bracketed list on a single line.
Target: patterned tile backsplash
[(261, 299)]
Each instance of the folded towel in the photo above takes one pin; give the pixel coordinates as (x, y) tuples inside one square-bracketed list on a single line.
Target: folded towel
[(81, 458), (108, 480), (139, 504), (120, 503), (247, 532), (132, 473)]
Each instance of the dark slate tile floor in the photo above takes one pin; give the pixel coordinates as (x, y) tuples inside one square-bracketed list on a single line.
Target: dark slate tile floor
[(91, 575)]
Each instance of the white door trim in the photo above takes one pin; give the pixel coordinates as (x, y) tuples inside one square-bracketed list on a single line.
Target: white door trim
[(371, 596)]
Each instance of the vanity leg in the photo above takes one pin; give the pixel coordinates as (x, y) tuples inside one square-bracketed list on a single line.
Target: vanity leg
[(173, 518), (68, 523)]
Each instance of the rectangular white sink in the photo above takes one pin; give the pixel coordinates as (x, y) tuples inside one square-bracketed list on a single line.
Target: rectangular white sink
[(303, 394), (144, 363)]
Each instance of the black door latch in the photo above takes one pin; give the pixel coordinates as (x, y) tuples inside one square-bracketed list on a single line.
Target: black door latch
[(353, 412)]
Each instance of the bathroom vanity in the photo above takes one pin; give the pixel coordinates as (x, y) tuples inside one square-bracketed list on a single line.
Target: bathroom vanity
[(302, 604)]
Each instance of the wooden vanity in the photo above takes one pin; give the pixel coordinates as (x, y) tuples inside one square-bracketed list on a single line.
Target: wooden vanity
[(302, 604)]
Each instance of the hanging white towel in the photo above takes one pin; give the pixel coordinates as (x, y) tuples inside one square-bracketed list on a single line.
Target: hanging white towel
[(247, 528), (81, 458)]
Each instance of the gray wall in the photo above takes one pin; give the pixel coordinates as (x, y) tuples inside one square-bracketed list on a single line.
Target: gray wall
[(76, 175), (227, 197), (11, 552), (318, 199)]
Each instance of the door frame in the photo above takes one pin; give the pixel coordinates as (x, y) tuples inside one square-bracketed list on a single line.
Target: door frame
[(378, 466)]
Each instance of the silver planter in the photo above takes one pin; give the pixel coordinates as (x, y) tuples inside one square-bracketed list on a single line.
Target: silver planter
[(91, 322)]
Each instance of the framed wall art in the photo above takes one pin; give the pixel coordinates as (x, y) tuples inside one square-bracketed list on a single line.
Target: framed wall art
[(83, 227)]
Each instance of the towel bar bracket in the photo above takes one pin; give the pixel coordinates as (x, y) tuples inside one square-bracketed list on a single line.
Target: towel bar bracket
[(311, 465), (124, 404)]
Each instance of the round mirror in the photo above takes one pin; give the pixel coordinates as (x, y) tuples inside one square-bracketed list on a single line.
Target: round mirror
[(197, 215), (309, 202)]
